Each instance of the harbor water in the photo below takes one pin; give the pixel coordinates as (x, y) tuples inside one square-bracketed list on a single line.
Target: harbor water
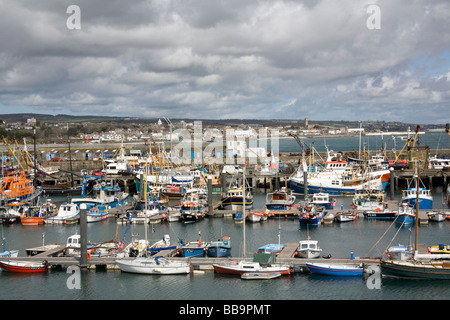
[(339, 240)]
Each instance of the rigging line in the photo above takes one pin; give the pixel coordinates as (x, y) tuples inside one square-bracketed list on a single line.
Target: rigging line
[(381, 236), (131, 216)]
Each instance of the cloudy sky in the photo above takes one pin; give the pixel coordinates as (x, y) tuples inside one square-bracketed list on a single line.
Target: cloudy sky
[(219, 59)]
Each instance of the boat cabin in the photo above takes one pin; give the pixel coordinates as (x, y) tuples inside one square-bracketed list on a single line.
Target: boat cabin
[(412, 192)]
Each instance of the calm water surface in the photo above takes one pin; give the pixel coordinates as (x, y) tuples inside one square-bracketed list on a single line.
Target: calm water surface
[(338, 240)]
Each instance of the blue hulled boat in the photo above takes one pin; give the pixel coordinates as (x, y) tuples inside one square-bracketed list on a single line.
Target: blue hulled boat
[(219, 248), (192, 249), (342, 270)]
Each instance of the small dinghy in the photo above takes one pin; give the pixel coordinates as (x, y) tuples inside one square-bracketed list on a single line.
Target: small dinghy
[(260, 275)]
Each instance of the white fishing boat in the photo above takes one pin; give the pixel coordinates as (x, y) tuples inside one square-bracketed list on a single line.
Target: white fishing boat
[(338, 178), (153, 265), (308, 249), (279, 200), (95, 215), (68, 213)]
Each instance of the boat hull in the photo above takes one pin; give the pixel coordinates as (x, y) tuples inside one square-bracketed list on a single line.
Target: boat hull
[(32, 221), (218, 252), (151, 266), (335, 270), (239, 270), (24, 267), (381, 215), (409, 269)]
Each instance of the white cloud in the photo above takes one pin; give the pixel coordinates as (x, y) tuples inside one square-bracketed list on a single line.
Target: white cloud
[(259, 59)]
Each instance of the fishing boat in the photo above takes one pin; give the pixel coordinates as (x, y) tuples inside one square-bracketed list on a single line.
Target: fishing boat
[(105, 195), (191, 209), (308, 249), (405, 215), (338, 178), (438, 163), (279, 200), (24, 266), (175, 191), (380, 214), (73, 246), (322, 199), (153, 265), (68, 213), (364, 200), (192, 249), (36, 214), (95, 215), (416, 193), (219, 248), (16, 186), (233, 199), (173, 215), (310, 215), (344, 270)]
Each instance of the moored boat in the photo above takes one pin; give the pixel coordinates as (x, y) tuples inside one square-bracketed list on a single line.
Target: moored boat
[(405, 215), (399, 252), (345, 270), (346, 216), (68, 213), (279, 200), (308, 249), (431, 270), (310, 215), (153, 265), (24, 267), (260, 275), (219, 248), (192, 249), (271, 248), (243, 266), (16, 186), (234, 199), (95, 215)]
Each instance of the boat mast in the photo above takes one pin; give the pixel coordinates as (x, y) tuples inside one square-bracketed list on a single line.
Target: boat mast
[(417, 208), (243, 209)]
